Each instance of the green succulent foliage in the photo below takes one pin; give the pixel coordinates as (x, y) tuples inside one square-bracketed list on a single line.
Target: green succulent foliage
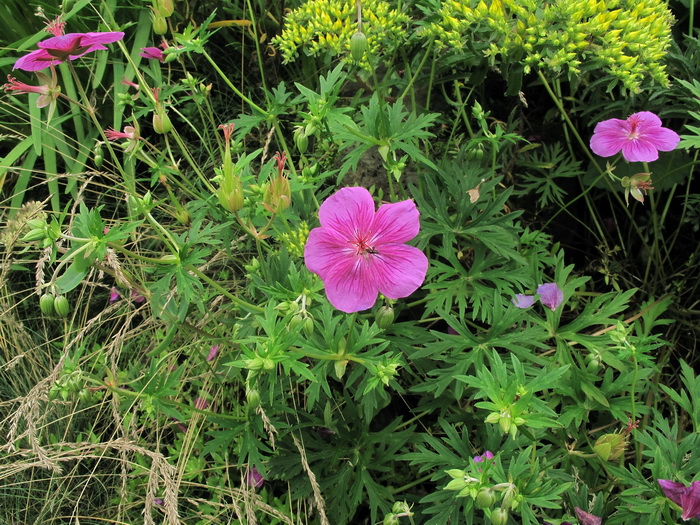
[(626, 39)]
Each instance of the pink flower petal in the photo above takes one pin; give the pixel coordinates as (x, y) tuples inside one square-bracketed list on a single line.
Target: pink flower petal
[(323, 250), (524, 301), (350, 286), (690, 501), (347, 211), (108, 37), (398, 270), (64, 43), (36, 60), (550, 295), (639, 151), (672, 489), (664, 139), (645, 118), (395, 223), (585, 518)]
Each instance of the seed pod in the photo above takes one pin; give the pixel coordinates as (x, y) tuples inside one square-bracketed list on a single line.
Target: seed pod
[(485, 498), (160, 24), (97, 158), (161, 122), (46, 304), (358, 45), (308, 326), (301, 140), (60, 304), (499, 517)]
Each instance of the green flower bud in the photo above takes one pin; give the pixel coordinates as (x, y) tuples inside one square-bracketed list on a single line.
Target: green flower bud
[(384, 317), (277, 195), (391, 519), (358, 45), (301, 140), (252, 395), (34, 235), (46, 304), (97, 158), (308, 326), (61, 306), (485, 498), (499, 517), (164, 7), (230, 194), (159, 23), (161, 121)]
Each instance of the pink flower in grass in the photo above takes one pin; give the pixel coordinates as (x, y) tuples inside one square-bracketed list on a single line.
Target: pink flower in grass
[(55, 26), (486, 455), (586, 518), (253, 478), (213, 352), (640, 137), (114, 295), (686, 497), (58, 49), (358, 253), (48, 90)]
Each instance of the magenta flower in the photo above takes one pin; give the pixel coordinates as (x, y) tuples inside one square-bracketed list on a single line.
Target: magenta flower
[(686, 497), (213, 351), (358, 253), (640, 137), (137, 297), (58, 49), (114, 295), (486, 455), (48, 90), (152, 53), (201, 403), (55, 26), (253, 478)]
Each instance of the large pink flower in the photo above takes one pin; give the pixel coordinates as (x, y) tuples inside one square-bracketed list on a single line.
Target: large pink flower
[(687, 497), (358, 253), (640, 137), (58, 49)]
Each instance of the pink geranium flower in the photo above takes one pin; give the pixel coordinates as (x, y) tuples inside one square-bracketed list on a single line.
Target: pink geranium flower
[(58, 49), (550, 295), (586, 518), (358, 253), (640, 137), (686, 497)]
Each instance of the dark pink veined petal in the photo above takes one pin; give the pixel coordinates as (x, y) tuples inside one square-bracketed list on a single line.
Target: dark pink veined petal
[(645, 119), (639, 150), (690, 501), (609, 137), (524, 301), (672, 489), (348, 211), (550, 295), (398, 270), (663, 139), (36, 61), (395, 223), (349, 284), (62, 43), (108, 37), (324, 251)]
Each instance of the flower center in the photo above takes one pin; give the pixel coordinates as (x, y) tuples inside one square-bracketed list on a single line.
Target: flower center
[(634, 129), (363, 247)]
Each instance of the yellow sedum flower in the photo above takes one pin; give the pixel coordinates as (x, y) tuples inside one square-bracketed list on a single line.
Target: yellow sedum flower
[(327, 26), (626, 38)]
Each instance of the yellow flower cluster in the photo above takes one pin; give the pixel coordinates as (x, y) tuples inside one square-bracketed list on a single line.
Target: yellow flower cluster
[(626, 38), (326, 26), (295, 240)]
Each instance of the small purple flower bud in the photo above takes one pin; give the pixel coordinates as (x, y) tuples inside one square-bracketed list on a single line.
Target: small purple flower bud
[(213, 351), (585, 518), (114, 296), (253, 478)]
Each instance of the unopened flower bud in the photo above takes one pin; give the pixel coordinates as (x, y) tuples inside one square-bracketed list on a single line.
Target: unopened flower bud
[(384, 317), (308, 327), (161, 121), (358, 46), (485, 498), (509, 497), (164, 7), (499, 517), (391, 519), (159, 24), (252, 395)]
